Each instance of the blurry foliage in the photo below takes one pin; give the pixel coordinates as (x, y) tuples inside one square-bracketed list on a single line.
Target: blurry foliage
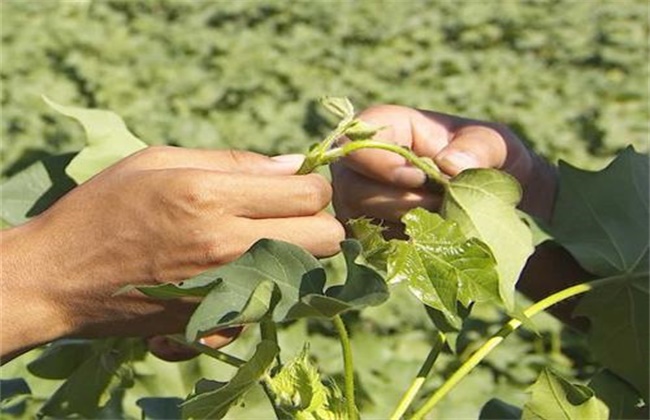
[(570, 77)]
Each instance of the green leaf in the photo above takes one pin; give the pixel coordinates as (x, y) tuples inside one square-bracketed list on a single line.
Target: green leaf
[(211, 400), (197, 286), (108, 140), (622, 399), (10, 388), (301, 394), (160, 408), (286, 281), (619, 331), (61, 358), (495, 409), (602, 217), (85, 388), (375, 248), (34, 189), (553, 397), (482, 202), (219, 308), (442, 266)]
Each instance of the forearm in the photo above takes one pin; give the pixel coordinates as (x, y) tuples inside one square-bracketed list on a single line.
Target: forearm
[(28, 317)]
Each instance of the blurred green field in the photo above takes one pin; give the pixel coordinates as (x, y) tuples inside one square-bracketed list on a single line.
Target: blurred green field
[(570, 77)]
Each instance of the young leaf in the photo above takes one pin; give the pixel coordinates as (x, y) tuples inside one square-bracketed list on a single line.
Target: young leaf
[(212, 400), (442, 266), (35, 188), (375, 248), (482, 202), (107, 136), (602, 217), (619, 332), (300, 393), (553, 397), (339, 106)]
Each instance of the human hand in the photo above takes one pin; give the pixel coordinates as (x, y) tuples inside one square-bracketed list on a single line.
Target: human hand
[(381, 185), (161, 215)]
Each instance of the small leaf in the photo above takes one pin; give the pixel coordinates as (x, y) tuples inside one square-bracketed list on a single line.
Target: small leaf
[(160, 408), (553, 397), (602, 217), (108, 140), (301, 394), (339, 106), (375, 248), (482, 202), (212, 400), (620, 331), (359, 130), (34, 189)]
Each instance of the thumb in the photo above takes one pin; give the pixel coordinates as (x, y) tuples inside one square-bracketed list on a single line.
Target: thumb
[(472, 147)]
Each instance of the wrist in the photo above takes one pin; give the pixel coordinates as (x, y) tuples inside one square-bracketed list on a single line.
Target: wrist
[(30, 314)]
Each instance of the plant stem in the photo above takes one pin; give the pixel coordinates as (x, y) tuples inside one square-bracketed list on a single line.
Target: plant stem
[(417, 383), (209, 351), (506, 330), (268, 331), (348, 367), (271, 396)]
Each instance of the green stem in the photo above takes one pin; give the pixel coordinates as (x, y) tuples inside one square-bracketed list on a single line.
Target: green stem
[(279, 414), (268, 331), (500, 335), (314, 158), (417, 383), (209, 351), (348, 367)]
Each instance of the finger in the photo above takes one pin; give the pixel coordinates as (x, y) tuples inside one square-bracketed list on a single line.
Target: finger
[(320, 235), (221, 338), (167, 157), (426, 133), (246, 195), (356, 196), (484, 146), (166, 349)]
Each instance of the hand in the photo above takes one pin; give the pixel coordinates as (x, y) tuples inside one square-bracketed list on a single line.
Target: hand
[(161, 215), (381, 185)]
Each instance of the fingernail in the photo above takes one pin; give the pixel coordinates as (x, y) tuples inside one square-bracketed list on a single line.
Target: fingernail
[(292, 159), (409, 177), (455, 162)]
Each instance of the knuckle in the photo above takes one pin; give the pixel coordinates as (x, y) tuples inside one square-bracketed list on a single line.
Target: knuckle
[(213, 251), (317, 192)]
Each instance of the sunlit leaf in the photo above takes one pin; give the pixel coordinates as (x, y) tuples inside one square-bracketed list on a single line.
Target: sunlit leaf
[(108, 140), (482, 202), (553, 397)]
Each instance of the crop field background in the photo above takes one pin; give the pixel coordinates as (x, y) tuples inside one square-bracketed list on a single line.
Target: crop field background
[(569, 77)]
